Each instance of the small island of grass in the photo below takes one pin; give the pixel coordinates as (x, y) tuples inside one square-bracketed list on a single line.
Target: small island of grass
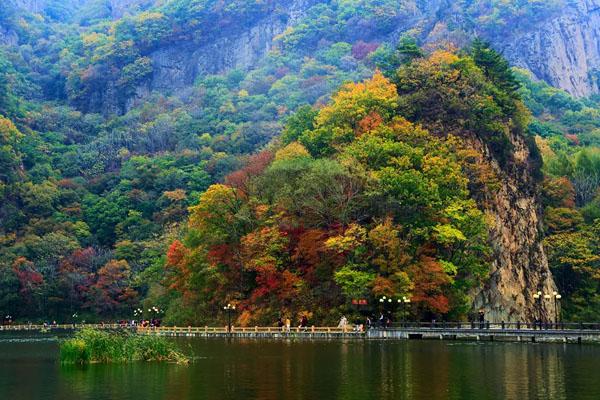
[(95, 346)]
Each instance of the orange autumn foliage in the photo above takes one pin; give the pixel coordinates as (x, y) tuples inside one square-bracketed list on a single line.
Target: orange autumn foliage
[(429, 281)]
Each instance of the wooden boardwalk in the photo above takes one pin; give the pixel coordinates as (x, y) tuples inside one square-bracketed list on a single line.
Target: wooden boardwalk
[(571, 333), (257, 332), (489, 335)]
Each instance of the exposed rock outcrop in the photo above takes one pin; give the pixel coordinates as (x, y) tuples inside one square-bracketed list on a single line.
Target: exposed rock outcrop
[(519, 266), (119, 8), (565, 52), (8, 37), (176, 67)]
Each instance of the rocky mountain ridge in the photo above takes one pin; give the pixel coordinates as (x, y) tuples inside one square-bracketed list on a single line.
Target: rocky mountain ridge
[(562, 48)]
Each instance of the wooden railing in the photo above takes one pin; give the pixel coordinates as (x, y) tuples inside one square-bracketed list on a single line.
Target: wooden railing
[(38, 327), (488, 325), (408, 326), (181, 329), (254, 329)]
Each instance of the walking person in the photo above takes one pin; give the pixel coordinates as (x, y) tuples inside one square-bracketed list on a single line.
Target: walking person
[(481, 318), (343, 323), (288, 324), (304, 322)]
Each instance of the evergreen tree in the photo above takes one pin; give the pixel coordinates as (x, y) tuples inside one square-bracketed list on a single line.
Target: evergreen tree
[(494, 66)]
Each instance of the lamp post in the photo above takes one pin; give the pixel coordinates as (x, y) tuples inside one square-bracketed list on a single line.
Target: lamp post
[(229, 308), (538, 300), (403, 302), (138, 314), (556, 296), (383, 301)]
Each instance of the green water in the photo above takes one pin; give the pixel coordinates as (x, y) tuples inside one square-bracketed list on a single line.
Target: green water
[(244, 369)]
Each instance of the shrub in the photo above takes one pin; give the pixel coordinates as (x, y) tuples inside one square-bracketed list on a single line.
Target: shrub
[(95, 346)]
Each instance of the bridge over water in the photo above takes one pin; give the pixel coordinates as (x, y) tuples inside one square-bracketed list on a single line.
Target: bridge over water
[(516, 332)]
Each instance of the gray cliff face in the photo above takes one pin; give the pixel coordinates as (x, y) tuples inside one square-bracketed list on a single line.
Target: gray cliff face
[(176, 67), (120, 8), (37, 6), (34, 6), (563, 49), (565, 52), (519, 266), (8, 37)]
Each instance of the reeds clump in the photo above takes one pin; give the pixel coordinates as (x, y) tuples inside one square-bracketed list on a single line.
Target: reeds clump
[(95, 346)]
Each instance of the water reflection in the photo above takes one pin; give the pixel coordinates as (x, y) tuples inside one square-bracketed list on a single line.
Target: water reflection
[(269, 370)]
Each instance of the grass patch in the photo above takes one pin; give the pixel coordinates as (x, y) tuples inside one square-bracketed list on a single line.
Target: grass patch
[(95, 346)]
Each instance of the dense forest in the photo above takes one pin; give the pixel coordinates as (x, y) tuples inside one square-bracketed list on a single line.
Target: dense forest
[(336, 168)]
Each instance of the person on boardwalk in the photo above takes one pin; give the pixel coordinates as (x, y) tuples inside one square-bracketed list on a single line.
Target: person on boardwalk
[(304, 322), (343, 323), (280, 323), (288, 324), (481, 318)]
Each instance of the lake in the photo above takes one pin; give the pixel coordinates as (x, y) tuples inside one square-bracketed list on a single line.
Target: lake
[(351, 369)]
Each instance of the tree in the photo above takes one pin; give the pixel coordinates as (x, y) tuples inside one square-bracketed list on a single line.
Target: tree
[(430, 283), (111, 292), (495, 67), (354, 283), (10, 156), (408, 49), (220, 216), (31, 285), (9, 290)]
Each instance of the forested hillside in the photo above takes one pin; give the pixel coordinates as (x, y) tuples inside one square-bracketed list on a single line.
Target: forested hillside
[(292, 156)]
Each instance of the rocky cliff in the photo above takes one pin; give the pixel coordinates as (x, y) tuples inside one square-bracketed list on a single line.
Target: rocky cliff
[(562, 48), (118, 8), (565, 51), (519, 266)]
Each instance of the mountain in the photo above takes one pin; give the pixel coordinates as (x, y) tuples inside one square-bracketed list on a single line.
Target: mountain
[(120, 115), (556, 41)]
